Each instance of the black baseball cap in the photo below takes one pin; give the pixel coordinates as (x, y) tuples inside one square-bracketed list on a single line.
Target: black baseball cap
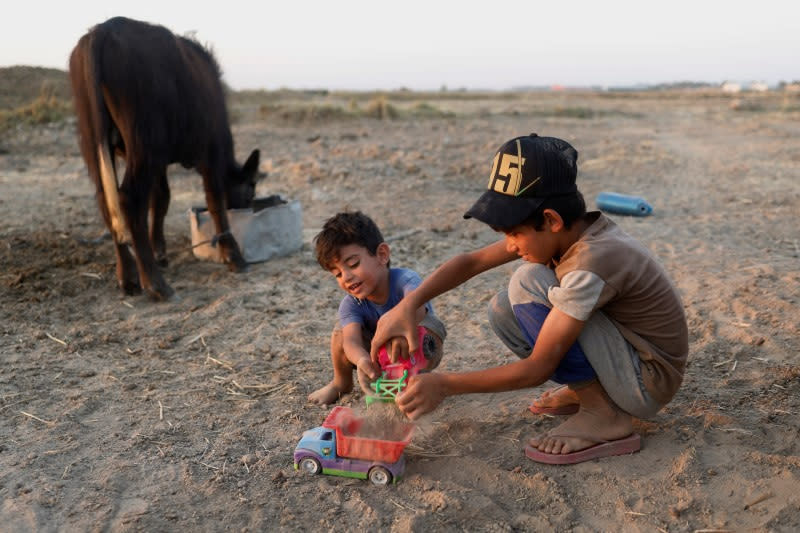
[(526, 171)]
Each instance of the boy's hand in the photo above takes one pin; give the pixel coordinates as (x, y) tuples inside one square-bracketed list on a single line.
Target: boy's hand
[(367, 368), (423, 394), (396, 349), (397, 322)]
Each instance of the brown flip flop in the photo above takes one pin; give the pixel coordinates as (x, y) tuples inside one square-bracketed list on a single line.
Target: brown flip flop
[(630, 444)]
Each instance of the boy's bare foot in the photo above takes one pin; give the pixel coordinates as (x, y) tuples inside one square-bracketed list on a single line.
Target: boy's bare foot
[(598, 420), (558, 398), (328, 394)]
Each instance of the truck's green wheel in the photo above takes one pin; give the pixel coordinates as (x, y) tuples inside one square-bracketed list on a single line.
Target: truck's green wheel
[(380, 476), (309, 465)]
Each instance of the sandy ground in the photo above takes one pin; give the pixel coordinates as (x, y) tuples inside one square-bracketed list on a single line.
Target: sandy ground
[(120, 414)]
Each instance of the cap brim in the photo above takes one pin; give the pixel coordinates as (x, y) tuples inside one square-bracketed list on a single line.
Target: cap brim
[(501, 210)]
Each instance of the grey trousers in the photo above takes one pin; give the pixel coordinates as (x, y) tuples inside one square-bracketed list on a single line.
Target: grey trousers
[(615, 361)]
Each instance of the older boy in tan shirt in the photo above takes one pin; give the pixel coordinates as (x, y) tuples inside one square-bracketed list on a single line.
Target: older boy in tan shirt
[(591, 309)]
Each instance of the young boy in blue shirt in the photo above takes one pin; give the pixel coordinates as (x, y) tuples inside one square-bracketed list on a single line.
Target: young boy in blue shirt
[(351, 247), (591, 309)]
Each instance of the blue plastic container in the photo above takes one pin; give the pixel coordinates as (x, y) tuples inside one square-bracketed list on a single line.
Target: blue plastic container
[(623, 204)]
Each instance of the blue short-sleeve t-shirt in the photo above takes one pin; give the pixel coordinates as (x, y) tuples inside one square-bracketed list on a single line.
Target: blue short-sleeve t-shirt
[(353, 310)]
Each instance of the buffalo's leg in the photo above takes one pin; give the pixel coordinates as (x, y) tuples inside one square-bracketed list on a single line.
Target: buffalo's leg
[(135, 199), (127, 274), (215, 200), (159, 204)]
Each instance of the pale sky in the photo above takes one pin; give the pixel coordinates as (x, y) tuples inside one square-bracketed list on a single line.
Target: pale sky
[(357, 44)]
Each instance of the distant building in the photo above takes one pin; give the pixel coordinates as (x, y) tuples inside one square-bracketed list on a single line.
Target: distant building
[(731, 87), (739, 86)]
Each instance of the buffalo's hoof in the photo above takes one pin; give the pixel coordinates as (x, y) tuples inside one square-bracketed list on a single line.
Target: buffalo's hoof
[(130, 288), (238, 265), (164, 294)]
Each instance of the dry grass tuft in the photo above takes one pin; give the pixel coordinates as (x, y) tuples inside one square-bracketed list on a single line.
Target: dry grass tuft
[(380, 108), (46, 108), (302, 113)]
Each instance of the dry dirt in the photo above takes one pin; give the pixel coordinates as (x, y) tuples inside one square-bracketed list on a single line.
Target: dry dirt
[(121, 414)]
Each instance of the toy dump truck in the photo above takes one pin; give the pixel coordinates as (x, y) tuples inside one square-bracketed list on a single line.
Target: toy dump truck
[(345, 446)]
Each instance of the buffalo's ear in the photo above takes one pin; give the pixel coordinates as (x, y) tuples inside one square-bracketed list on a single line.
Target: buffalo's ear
[(250, 168)]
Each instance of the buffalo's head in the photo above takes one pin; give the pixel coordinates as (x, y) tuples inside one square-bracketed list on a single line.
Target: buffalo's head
[(241, 186)]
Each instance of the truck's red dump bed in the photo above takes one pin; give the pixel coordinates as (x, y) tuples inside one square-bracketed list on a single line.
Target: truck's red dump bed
[(358, 442)]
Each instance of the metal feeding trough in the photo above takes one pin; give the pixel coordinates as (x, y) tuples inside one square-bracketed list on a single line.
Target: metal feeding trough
[(273, 227)]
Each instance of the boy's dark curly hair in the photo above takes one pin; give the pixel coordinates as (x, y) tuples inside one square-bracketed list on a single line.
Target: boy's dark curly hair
[(343, 229)]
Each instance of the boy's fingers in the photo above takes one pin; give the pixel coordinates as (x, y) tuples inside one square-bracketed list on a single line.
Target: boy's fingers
[(406, 404), (399, 349), (375, 346), (368, 369), (405, 397), (412, 409), (411, 414), (373, 371), (413, 344), (382, 335)]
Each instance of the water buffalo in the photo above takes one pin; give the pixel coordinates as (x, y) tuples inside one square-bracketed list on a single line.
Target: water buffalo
[(154, 98)]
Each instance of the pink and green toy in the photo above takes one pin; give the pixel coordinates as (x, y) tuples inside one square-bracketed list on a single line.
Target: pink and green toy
[(394, 376)]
